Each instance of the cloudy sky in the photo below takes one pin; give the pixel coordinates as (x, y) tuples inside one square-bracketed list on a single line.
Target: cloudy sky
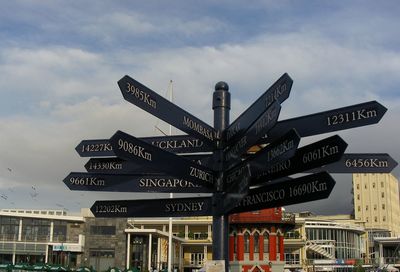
[(60, 62)]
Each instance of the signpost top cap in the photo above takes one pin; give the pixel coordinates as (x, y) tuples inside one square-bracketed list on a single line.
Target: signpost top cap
[(222, 86)]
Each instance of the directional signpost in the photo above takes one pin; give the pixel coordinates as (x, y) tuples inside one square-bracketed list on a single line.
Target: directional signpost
[(215, 160), (360, 163), (308, 157), (144, 183), (200, 206), (177, 144), (333, 120), (293, 191)]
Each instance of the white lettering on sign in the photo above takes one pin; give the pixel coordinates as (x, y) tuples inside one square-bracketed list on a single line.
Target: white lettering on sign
[(104, 166), (141, 95), (307, 188), (280, 149), (265, 120), (200, 174), (198, 128), (233, 152), (296, 190), (275, 94), (133, 149), (320, 153), (348, 117), (233, 131), (184, 207), (178, 144), (277, 167), (87, 181), (235, 174), (166, 183), (263, 197), (112, 208), (96, 147), (369, 163)]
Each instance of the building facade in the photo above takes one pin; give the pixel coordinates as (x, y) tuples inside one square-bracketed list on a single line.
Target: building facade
[(26, 236), (325, 243), (256, 241), (376, 202), (37, 236)]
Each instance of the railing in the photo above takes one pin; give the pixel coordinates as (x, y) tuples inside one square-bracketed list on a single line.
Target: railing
[(39, 238), (391, 260), (9, 237), (288, 218)]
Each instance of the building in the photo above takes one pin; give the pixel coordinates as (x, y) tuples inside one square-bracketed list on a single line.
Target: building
[(257, 240), (325, 243), (36, 236), (376, 202)]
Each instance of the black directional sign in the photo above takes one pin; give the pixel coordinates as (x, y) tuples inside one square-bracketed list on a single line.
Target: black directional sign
[(130, 148), (175, 143), (279, 91), (361, 163), (284, 193), (180, 207), (148, 182), (150, 101), (310, 156), (328, 121), (278, 151), (257, 130), (237, 186), (119, 166)]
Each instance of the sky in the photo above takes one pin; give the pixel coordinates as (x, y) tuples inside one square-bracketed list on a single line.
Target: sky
[(60, 62)]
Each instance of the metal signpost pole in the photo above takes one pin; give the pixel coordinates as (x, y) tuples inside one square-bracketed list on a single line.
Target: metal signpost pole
[(220, 227)]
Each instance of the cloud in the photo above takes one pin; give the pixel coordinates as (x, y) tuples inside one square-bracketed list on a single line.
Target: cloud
[(59, 76)]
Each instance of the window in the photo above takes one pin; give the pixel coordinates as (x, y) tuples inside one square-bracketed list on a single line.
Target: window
[(358, 186), (256, 242), (366, 207), (196, 259), (60, 231), (376, 219), (246, 242), (358, 197), (365, 186), (382, 185), (266, 242), (383, 206), (383, 194), (35, 229), (375, 207), (359, 208), (384, 218), (9, 227), (234, 242), (102, 230), (366, 219), (373, 185)]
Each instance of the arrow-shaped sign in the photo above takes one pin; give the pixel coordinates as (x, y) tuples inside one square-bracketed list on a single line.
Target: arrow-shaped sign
[(328, 121), (310, 156), (278, 151), (148, 100), (179, 207), (258, 129), (174, 143), (284, 193), (237, 186), (120, 166), (279, 91), (361, 163), (130, 148), (146, 182)]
